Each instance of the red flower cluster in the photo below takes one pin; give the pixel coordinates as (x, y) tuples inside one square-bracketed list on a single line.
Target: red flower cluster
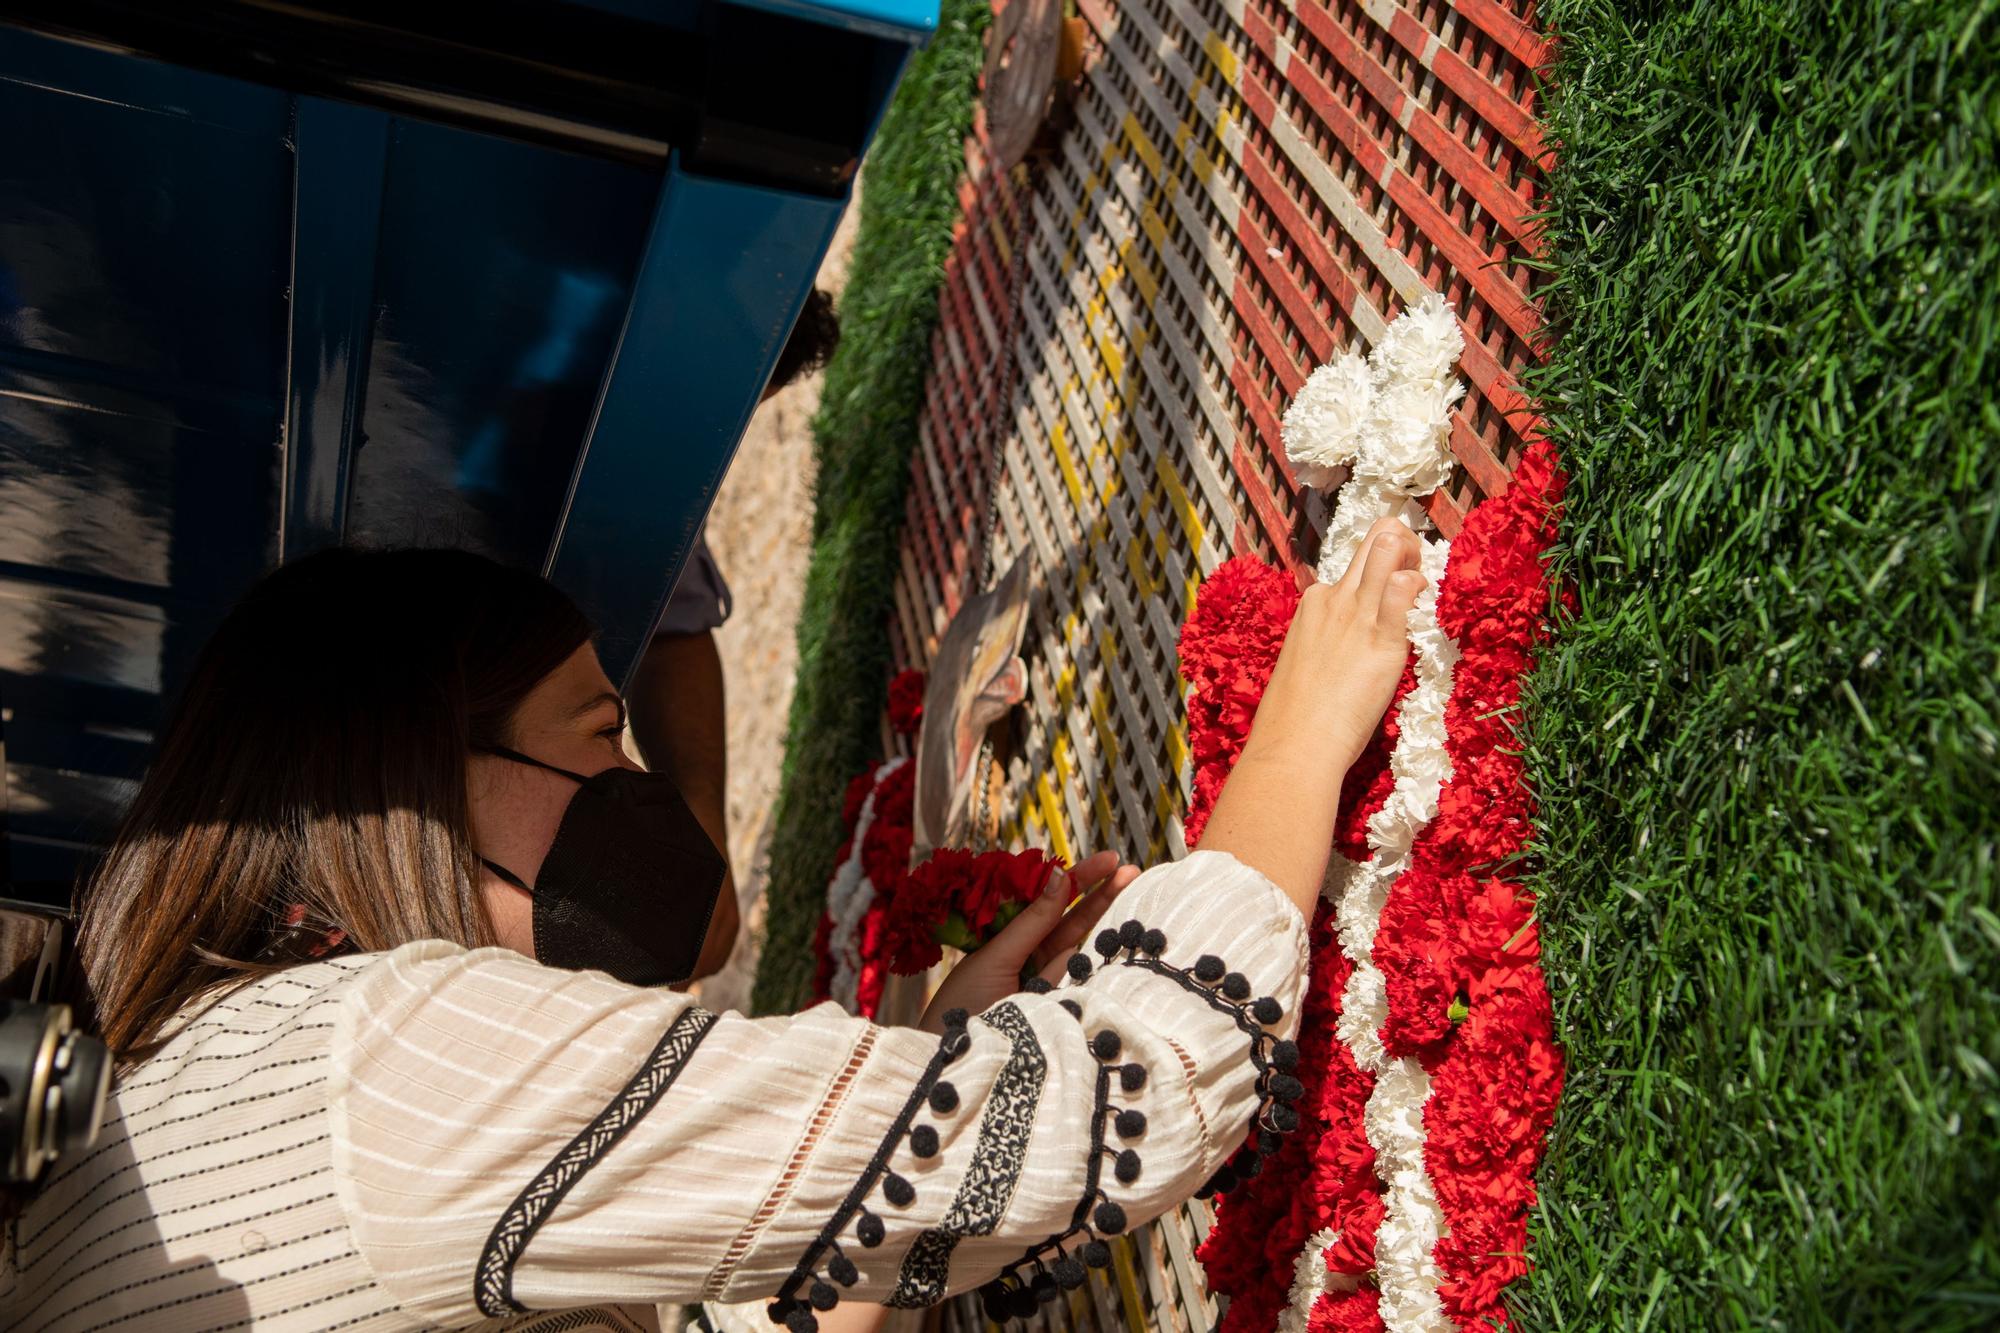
[(1322, 1176), (959, 898), (906, 702), (885, 851), (1228, 647), (1456, 943), (954, 897)]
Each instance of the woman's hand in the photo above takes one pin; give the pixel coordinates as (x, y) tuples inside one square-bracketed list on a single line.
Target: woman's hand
[(1042, 937), (1343, 655)]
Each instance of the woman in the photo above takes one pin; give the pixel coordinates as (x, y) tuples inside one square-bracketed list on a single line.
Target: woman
[(367, 944)]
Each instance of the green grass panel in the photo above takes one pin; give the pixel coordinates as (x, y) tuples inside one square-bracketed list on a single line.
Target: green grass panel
[(1765, 745), (863, 438)]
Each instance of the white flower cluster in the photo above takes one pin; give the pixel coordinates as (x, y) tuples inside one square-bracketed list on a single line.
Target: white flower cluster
[(1311, 1278), (1386, 417), (849, 895), (1388, 421)]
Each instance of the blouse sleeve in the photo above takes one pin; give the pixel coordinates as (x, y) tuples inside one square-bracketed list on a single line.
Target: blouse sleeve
[(511, 1137)]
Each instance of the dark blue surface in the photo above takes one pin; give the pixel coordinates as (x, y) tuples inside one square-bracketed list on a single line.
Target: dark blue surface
[(238, 323), (667, 421)]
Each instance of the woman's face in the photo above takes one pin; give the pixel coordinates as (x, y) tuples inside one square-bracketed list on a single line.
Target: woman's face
[(572, 719)]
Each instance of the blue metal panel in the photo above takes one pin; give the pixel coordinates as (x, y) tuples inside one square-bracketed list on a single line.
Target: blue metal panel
[(544, 346), (504, 276), (697, 349), (143, 265), (342, 152), (911, 21)]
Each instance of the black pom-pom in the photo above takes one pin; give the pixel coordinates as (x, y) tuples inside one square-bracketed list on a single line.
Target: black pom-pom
[(822, 1295), (1130, 934), (1285, 1055), (802, 1320), (1222, 1181), (1129, 1124), (1126, 1168), (1096, 1254), (1021, 1303), (1208, 969), (1267, 1011), (944, 1099), (869, 1230), (1132, 1077), (1286, 1089), (1109, 1218), (1248, 1170), (955, 1044), (1153, 942), (955, 1019), (1284, 1119), (1236, 986), (1107, 942), (1079, 967), (1268, 1142), (898, 1190), (777, 1310), (1105, 1045), (924, 1141), (1044, 1287), (993, 1300), (1075, 1009), (1038, 986), (842, 1270), (1070, 1273)]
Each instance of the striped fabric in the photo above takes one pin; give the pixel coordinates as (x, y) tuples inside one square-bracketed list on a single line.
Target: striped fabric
[(442, 1138)]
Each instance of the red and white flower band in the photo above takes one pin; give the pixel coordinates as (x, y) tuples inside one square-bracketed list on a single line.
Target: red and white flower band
[(1427, 1051)]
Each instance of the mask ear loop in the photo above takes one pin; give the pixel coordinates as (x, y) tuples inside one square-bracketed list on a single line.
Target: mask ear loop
[(502, 752), (504, 873)]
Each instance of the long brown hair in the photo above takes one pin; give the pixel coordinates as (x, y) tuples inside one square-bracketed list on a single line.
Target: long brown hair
[(316, 766)]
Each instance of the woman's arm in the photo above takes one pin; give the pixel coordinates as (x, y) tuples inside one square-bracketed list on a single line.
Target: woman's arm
[(513, 1136), (1334, 679)]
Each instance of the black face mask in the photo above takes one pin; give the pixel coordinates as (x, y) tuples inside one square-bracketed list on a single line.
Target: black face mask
[(630, 882)]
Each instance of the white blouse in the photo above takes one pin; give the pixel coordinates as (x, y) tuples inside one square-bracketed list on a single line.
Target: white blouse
[(440, 1138)]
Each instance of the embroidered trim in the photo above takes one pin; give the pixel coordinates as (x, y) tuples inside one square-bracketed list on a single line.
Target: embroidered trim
[(989, 1182), (493, 1280), (796, 1313), (1015, 1294), (1274, 1058)]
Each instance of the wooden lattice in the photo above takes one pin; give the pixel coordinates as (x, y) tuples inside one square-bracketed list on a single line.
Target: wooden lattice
[(1238, 190)]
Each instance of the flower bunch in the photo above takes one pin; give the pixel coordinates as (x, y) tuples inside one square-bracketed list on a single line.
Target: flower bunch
[(958, 898), (884, 915)]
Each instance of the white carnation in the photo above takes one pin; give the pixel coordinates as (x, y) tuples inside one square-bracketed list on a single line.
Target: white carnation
[(1421, 344), (1406, 439), (1323, 423), (848, 898), (1311, 1279)]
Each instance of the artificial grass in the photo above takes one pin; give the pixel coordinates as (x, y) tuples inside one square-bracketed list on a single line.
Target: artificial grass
[(863, 438), (1764, 743)]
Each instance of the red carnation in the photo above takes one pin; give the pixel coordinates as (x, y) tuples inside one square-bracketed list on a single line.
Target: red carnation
[(906, 702), (913, 908), (1227, 650), (858, 788), (885, 851)]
